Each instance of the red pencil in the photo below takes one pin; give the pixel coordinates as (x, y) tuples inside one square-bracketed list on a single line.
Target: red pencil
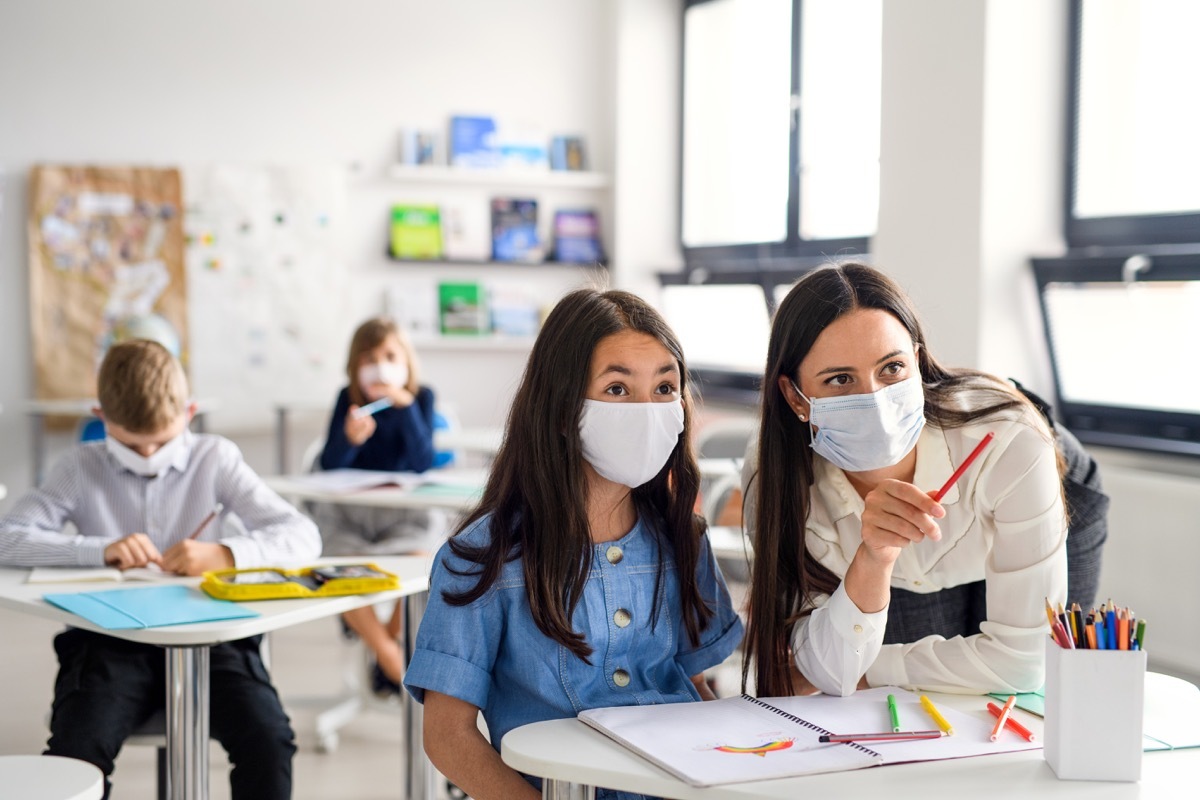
[(958, 473)]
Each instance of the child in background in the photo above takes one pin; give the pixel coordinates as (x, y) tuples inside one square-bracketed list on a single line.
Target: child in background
[(382, 369), (583, 579), (133, 499)]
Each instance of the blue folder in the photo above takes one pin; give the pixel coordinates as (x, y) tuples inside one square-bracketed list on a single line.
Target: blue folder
[(148, 607)]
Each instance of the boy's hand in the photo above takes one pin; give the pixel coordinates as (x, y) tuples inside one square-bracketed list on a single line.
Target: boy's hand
[(359, 429), (190, 557), (135, 550)]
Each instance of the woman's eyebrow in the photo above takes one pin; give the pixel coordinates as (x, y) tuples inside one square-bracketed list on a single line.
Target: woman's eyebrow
[(892, 354)]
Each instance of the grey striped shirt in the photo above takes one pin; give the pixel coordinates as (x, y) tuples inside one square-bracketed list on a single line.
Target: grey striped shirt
[(103, 501)]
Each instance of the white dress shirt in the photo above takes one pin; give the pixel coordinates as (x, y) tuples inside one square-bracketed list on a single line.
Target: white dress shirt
[(1004, 523), (88, 490)]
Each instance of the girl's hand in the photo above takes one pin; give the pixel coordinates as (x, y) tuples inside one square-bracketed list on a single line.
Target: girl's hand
[(897, 514), (190, 557), (401, 397), (358, 429), (134, 550)]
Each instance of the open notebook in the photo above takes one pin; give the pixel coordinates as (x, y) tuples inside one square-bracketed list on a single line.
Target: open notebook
[(741, 739), (97, 574)]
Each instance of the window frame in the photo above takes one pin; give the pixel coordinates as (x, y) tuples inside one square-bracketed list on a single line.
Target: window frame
[(1116, 231), (761, 257)]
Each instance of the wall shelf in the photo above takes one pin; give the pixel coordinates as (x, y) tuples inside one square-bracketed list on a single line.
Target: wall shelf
[(468, 342), (468, 262), (518, 179)]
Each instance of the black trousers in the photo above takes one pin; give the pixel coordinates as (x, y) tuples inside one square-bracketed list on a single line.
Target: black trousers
[(106, 688)]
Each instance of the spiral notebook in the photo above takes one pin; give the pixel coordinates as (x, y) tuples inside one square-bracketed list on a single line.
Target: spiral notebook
[(742, 739)]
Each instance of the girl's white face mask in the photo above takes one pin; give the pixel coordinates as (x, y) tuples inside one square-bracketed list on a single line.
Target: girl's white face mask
[(389, 373), (864, 432), (147, 466), (629, 443)]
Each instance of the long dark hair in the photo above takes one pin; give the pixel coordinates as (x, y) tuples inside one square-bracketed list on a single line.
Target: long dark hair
[(536, 492), (785, 578)]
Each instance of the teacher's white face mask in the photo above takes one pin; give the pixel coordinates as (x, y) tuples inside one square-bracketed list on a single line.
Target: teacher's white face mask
[(863, 432), (629, 443)]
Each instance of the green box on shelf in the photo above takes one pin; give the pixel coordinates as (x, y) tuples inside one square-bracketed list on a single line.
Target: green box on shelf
[(416, 232), (463, 309)]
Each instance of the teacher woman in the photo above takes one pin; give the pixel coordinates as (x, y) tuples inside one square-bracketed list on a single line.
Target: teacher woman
[(860, 578)]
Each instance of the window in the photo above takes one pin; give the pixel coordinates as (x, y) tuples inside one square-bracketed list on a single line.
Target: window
[(1133, 166), (780, 133)]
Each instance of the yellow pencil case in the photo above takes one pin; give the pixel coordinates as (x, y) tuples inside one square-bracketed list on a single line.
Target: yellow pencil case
[(271, 583)]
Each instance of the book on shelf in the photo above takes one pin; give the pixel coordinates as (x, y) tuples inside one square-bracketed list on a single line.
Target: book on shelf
[(577, 237), (463, 308), (466, 231), (473, 142), (740, 739), (416, 232), (566, 153), (514, 230)]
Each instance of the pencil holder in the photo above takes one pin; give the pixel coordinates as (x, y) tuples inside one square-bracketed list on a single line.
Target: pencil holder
[(1094, 704)]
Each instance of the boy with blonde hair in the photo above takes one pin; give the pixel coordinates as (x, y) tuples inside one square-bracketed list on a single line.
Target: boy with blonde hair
[(132, 500)]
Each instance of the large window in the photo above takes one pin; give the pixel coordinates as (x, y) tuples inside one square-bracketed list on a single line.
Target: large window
[(1134, 163), (780, 133)]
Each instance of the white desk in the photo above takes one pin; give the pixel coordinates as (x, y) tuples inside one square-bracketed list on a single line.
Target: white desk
[(50, 778), (575, 758), (80, 408), (187, 655), (457, 497)]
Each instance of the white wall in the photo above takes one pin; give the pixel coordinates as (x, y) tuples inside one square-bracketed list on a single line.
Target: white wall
[(289, 81)]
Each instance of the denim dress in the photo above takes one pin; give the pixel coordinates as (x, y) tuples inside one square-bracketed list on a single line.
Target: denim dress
[(491, 654)]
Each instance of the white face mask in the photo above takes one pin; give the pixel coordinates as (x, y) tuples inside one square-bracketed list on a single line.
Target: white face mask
[(864, 432), (629, 443), (390, 373), (146, 466)]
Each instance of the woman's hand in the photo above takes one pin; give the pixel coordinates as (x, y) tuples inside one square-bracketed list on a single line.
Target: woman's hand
[(897, 514), (358, 429)]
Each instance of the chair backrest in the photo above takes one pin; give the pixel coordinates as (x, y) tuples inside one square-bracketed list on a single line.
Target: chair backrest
[(90, 429), (726, 437)]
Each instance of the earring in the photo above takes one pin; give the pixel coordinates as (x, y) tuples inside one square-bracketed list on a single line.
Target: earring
[(802, 417)]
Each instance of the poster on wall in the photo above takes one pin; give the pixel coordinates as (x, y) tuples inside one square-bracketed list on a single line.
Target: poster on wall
[(105, 263), (268, 287)]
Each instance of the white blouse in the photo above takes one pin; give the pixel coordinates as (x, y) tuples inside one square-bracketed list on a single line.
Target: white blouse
[(1004, 523)]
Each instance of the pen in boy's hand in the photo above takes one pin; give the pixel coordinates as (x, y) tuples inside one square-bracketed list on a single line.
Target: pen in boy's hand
[(204, 522), (371, 408), (958, 473)]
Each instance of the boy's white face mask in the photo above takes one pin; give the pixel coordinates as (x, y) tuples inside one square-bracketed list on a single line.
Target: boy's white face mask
[(629, 443), (390, 373), (146, 466)]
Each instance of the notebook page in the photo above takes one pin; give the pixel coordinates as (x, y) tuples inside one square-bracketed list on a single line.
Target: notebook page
[(724, 741)]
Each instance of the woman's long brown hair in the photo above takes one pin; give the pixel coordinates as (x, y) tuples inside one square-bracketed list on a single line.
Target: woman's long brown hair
[(785, 579), (536, 491)]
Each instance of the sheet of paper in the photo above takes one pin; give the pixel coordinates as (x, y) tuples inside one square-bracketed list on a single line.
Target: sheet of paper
[(1172, 713), (356, 480)]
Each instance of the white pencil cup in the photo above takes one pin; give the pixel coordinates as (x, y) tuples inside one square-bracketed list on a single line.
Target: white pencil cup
[(1094, 701)]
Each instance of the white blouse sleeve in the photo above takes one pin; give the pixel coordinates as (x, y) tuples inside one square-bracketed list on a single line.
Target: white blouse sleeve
[(1019, 497), (834, 645)]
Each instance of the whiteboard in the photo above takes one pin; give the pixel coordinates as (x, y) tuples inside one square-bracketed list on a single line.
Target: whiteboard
[(267, 293)]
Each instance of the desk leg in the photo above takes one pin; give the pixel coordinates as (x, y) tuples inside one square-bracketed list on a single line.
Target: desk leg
[(281, 443), (39, 446), (565, 790), (422, 777), (187, 723)]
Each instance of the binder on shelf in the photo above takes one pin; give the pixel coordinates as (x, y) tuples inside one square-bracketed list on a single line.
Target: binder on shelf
[(577, 237), (463, 308), (514, 230), (416, 232)]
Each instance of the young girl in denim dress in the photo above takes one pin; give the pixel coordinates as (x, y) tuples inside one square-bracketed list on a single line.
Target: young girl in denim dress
[(583, 579)]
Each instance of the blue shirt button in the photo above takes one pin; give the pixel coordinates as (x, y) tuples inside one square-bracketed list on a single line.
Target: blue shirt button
[(614, 555), (621, 678)]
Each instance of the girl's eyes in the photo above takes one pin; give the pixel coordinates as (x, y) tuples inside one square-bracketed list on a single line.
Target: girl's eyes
[(616, 390), (619, 390), (667, 388)]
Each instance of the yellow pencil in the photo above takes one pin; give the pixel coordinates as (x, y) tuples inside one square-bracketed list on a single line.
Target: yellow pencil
[(938, 719)]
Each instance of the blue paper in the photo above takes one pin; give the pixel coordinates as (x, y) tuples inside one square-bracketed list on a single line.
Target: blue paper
[(148, 607)]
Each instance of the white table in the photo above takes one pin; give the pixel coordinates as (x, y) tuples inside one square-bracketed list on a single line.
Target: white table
[(50, 778), (574, 758), (187, 659), (295, 488), (80, 408)]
